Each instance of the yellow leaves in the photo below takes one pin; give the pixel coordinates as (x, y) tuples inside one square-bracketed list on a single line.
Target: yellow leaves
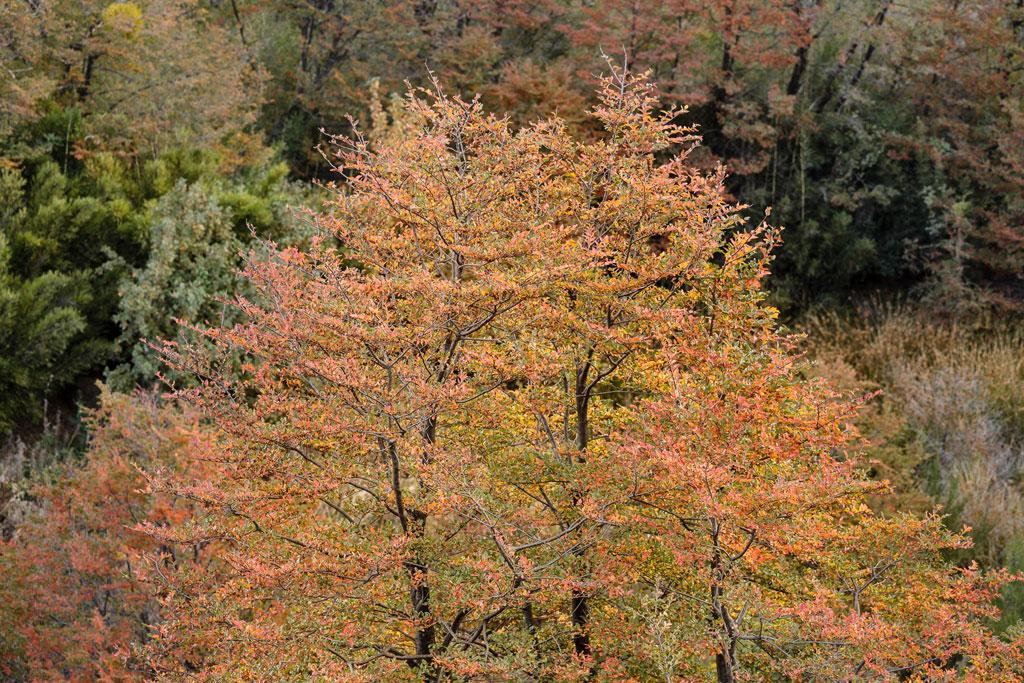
[(322, 445), (123, 17)]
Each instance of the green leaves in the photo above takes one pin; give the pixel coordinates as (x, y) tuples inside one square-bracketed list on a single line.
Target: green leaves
[(105, 250), (39, 320), (192, 261)]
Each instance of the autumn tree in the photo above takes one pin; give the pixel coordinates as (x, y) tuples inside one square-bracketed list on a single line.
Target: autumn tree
[(73, 605), (867, 126), (321, 55), (145, 75), (533, 412), (964, 67)]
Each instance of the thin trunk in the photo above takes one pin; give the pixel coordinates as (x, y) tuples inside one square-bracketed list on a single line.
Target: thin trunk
[(420, 592), (724, 669), (714, 138), (83, 88), (800, 65), (413, 522), (420, 595), (580, 622), (240, 23), (796, 76), (579, 604), (831, 89), (725, 659)]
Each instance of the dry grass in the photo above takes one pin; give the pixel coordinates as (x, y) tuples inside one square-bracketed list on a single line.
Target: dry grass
[(23, 462), (949, 428)]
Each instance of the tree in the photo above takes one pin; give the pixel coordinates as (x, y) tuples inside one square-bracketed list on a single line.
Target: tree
[(969, 131), (867, 126), (197, 233), (146, 75), (102, 251), (38, 322), (74, 605), (534, 413)]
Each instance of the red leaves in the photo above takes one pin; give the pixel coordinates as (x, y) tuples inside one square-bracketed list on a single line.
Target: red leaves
[(72, 595)]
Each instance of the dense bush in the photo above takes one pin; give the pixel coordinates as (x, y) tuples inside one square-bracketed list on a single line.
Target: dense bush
[(98, 253), (198, 234)]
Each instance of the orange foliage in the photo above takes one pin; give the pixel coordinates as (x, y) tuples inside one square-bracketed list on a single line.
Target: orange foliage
[(72, 604), (535, 413)]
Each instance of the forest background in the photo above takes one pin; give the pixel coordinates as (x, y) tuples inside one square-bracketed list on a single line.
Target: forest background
[(146, 146)]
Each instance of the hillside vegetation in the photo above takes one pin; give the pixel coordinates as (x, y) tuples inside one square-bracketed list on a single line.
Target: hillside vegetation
[(481, 340)]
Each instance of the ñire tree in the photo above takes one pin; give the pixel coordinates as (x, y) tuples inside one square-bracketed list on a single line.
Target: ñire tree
[(522, 413)]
